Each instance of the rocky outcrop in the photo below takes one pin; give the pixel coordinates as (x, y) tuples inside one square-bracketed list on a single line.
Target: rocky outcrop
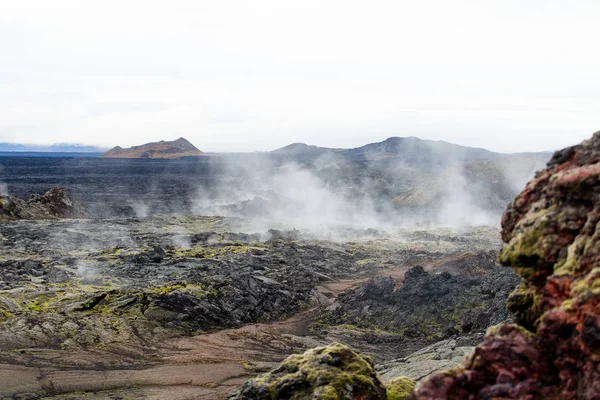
[(427, 306), (435, 358), (55, 203), (551, 233), (165, 150), (324, 373), (552, 241)]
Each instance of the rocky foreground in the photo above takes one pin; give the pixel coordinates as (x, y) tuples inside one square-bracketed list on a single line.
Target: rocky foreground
[(55, 203), (144, 308), (192, 307), (552, 351)]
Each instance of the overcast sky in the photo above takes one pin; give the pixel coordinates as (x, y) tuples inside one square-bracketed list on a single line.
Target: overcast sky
[(507, 75)]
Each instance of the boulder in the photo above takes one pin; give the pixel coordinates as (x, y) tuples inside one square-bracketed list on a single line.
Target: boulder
[(400, 388), (324, 373), (551, 234), (438, 357), (55, 203)]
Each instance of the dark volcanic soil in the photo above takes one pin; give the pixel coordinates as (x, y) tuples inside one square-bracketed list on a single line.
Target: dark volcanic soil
[(428, 305), (112, 187)]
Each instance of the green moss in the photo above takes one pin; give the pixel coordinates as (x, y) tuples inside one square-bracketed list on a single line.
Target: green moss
[(368, 247), (495, 330), (525, 304), (400, 388), (347, 326), (115, 325), (4, 315), (168, 288), (570, 265), (34, 305), (430, 328), (114, 255), (525, 251), (325, 373), (40, 303), (196, 290), (583, 288)]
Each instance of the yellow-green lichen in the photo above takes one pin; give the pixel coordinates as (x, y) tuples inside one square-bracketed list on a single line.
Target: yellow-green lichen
[(525, 304), (325, 373), (168, 288), (114, 254), (495, 330), (525, 251), (588, 285), (400, 388), (4, 315), (570, 265)]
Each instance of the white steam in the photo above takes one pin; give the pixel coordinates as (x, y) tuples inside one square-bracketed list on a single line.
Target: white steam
[(290, 195), (140, 208), (458, 207), (3, 186), (328, 192), (86, 271)]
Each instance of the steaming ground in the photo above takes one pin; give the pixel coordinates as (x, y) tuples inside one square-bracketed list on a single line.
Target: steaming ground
[(192, 275), (312, 190)]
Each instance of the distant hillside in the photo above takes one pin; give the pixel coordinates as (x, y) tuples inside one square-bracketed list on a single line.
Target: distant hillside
[(55, 148), (158, 150), (301, 148), (304, 153), (489, 184), (408, 150), (423, 178), (415, 149)]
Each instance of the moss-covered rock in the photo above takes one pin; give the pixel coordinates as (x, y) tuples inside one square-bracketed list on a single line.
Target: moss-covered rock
[(334, 372), (400, 388), (552, 240)]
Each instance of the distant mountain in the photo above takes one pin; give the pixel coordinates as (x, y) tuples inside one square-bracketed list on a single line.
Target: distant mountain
[(157, 150), (75, 148), (302, 149), (303, 153), (415, 149), (12, 147), (410, 152), (420, 177), (55, 148), (409, 149)]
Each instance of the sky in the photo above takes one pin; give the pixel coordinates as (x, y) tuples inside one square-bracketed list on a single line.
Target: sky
[(258, 75)]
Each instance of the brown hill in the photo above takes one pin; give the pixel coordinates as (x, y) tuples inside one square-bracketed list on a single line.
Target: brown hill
[(165, 150)]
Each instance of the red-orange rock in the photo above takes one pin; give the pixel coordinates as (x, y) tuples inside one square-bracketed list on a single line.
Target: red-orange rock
[(552, 240)]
